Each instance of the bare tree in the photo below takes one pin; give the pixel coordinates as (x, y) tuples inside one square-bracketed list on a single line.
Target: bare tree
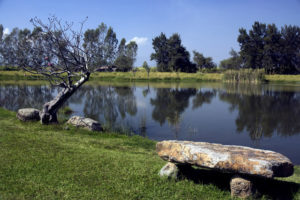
[(55, 51)]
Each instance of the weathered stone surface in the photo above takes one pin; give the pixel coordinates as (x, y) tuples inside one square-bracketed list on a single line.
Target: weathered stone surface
[(170, 170), (28, 114), (226, 157), (241, 188), (87, 123)]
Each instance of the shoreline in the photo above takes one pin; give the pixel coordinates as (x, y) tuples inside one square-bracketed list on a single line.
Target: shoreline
[(153, 77)]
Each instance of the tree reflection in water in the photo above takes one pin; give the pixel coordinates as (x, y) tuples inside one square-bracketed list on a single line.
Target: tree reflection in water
[(266, 112), (262, 111), (107, 101), (203, 97), (14, 97)]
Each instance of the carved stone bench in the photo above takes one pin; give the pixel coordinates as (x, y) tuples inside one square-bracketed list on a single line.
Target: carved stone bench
[(228, 158)]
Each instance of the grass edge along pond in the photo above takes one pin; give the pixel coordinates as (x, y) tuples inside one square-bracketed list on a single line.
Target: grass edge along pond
[(50, 162), (243, 75)]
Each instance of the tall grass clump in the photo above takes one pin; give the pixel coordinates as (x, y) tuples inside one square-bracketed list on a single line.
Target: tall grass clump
[(244, 75)]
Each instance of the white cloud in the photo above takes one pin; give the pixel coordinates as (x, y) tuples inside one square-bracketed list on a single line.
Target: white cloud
[(6, 31), (140, 40)]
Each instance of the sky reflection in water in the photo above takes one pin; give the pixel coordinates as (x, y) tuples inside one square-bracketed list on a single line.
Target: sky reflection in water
[(261, 116)]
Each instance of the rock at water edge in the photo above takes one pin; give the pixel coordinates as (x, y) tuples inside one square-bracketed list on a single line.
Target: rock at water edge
[(87, 123), (28, 114)]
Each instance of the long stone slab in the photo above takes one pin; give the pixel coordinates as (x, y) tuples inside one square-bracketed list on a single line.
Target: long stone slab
[(229, 158)]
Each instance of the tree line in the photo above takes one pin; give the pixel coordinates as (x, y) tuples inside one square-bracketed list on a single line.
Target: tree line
[(266, 47), (170, 55), (100, 42), (262, 47)]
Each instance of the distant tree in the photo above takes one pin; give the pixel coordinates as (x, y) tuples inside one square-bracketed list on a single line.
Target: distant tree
[(146, 67), (56, 52), (91, 45), (234, 62), (267, 47), (110, 46), (170, 55), (272, 49), (290, 61), (252, 45), (179, 57), (101, 43), (8, 48), (126, 56), (1, 43), (161, 55), (1, 32), (131, 52), (121, 48), (203, 62)]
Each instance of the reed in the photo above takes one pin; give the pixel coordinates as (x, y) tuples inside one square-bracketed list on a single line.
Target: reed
[(244, 75)]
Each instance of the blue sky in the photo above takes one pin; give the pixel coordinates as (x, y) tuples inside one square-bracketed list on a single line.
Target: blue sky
[(210, 27)]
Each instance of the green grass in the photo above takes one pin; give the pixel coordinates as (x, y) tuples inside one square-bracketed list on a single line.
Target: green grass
[(156, 76), (49, 162), (282, 78), (227, 76)]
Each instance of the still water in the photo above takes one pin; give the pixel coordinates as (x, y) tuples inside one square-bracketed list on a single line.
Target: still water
[(263, 116)]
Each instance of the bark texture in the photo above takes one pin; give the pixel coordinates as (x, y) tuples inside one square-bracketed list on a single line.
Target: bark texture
[(49, 111)]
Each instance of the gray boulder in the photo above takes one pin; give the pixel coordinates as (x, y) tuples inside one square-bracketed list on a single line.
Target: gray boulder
[(86, 123), (170, 170), (241, 187), (230, 158), (28, 114)]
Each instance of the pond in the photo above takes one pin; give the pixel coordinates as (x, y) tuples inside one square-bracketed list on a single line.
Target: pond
[(265, 116)]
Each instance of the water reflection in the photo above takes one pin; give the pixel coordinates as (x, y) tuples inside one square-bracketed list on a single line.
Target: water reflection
[(203, 97), (265, 114), (169, 104), (13, 97), (107, 101), (229, 114)]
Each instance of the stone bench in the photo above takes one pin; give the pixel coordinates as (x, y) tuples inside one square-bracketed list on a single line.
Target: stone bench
[(228, 158)]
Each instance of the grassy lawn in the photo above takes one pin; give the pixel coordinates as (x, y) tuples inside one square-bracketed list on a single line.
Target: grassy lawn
[(49, 162), (282, 78), (153, 76), (158, 76)]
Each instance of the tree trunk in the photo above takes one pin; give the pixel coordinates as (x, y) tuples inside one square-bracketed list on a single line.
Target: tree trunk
[(49, 111)]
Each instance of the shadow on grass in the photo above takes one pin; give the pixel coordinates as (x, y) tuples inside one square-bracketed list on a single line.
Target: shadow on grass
[(270, 188)]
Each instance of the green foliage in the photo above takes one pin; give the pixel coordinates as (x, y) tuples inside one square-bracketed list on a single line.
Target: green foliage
[(153, 69), (102, 44), (267, 47), (146, 67), (244, 75), (170, 55), (234, 62), (161, 55), (203, 62), (126, 56)]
